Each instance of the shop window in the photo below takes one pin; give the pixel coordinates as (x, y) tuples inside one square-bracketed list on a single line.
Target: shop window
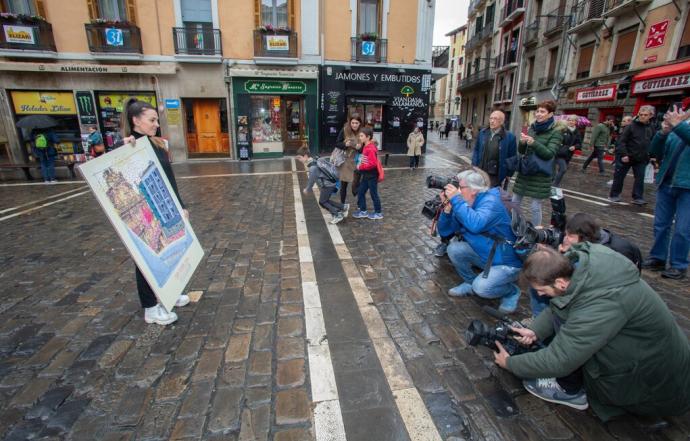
[(684, 48), (585, 61), (624, 50), (267, 121), (368, 20), (115, 10), (275, 13)]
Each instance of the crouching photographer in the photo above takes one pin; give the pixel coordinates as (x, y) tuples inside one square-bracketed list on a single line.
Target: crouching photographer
[(477, 214), (615, 345)]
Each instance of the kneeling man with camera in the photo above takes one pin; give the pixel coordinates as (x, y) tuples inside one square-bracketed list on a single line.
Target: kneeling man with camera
[(615, 344), (476, 213)]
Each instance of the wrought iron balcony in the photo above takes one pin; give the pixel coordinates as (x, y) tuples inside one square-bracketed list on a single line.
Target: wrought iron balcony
[(506, 60), (588, 15), (476, 79), (512, 10), (555, 21), (197, 41), (25, 33), (276, 44), (546, 82), (526, 86), (113, 38), (532, 33), (369, 51), (615, 8)]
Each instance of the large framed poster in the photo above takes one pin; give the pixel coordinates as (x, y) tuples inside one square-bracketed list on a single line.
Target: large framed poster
[(135, 194)]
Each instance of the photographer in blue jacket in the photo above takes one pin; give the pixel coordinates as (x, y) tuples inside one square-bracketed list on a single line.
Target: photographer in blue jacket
[(482, 256)]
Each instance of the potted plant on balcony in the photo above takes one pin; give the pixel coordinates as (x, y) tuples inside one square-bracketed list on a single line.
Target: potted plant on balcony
[(274, 30), (21, 18), (109, 22), (369, 36)]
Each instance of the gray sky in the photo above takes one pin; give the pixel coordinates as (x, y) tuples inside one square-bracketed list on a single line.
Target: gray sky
[(450, 14)]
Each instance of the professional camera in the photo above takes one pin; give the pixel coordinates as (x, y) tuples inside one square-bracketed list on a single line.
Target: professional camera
[(480, 333), (528, 235), (440, 182)]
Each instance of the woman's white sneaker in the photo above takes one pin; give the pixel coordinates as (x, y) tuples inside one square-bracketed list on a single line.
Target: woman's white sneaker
[(183, 300), (159, 315)]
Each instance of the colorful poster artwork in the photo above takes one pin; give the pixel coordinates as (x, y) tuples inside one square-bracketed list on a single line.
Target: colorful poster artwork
[(136, 195)]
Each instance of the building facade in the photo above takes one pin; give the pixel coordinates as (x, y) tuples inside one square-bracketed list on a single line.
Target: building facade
[(230, 79), (439, 86), (456, 70)]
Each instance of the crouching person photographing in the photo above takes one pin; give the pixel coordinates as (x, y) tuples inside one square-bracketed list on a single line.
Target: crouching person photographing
[(477, 214), (615, 344)]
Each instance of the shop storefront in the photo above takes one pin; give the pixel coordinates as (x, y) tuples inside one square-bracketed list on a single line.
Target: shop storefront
[(274, 116), (110, 106), (663, 87), (391, 101)]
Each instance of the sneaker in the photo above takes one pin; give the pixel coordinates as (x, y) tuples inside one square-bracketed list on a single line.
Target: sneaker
[(549, 390), (360, 214), (462, 290), (337, 218), (375, 216), (182, 301), (639, 202), (509, 303), (441, 249), (674, 273), (346, 210), (653, 264), (614, 198), (159, 315)]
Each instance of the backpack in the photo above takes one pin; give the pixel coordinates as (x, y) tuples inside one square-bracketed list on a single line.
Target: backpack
[(40, 141), (328, 170)]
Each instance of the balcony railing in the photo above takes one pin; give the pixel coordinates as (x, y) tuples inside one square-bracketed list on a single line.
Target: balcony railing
[(546, 82), (526, 86), (275, 44), (197, 41), (619, 7), (20, 34), (439, 56), (503, 95), (555, 21), (588, 14), (506, 60), (475, 78), (369, 51), (532, 33), (120, 38), (512, 10)]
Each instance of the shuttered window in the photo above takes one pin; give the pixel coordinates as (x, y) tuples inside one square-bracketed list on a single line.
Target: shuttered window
[(116, 10), (277, 13), (624, 50), (585, 60)]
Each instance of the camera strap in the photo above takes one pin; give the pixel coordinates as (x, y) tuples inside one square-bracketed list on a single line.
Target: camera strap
[(438, 214), (498, 240)]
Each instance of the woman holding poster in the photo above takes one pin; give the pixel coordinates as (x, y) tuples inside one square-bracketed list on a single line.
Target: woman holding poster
[(139, 119)]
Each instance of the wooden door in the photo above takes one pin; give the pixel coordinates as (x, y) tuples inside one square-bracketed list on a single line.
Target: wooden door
[(293, 129), (207, 122)]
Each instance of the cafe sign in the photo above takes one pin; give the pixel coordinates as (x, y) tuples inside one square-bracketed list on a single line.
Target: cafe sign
[(275, 87), (593, 94), (43, 103), (681, 81), (19, 34), (278, 43)]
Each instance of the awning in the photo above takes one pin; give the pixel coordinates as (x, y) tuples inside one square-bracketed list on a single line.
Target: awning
[(663, 71), (662, 79)]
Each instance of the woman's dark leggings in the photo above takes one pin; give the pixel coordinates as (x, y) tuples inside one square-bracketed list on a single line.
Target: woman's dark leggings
[(146, 296), (343, 191)]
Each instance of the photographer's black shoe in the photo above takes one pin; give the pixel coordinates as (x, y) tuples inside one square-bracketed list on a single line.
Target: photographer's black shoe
[(653, 264), (674, 273)]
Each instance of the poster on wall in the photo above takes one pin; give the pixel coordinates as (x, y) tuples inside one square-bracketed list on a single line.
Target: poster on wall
[(657, 34), (137, 198)]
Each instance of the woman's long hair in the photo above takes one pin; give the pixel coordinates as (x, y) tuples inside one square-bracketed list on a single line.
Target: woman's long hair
[(349, 133), (135, 108)]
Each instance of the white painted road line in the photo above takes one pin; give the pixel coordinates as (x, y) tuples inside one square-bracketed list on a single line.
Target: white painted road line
[(229, 175), (328, 418), (42, 206), (412, 409), (28, 204), (42, 184)]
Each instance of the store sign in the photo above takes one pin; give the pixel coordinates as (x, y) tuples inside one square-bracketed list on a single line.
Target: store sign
[(278, 43), (681, 81), (117, 100), (86, 107), (45, 103), (19, 34), (161, 69), (657, 34), (275, 87), (593, 94), (172, 104), (378, 77), (650, 59), (114, 37)]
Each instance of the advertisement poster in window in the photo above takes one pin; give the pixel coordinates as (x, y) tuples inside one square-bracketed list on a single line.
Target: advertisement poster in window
[(137, 198)]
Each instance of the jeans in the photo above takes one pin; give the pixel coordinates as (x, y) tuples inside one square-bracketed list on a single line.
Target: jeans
[(535, 208), (596, 153), (372, 185), (48, 168), (326, 202), (468, 144), (672, 202), (619, 174), (146, 296), (562, 167), (501, 279), (414, 161), (537, 303)]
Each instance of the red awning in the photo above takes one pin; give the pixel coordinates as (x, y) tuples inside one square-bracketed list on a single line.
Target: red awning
[(663, 71)]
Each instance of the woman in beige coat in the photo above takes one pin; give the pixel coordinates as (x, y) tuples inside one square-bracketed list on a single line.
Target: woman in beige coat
[(414, 147), (348, 142)]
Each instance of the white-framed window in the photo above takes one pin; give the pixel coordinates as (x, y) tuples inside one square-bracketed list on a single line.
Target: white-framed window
[(26, 7), (115, 10), (275, 13), (368, 12)]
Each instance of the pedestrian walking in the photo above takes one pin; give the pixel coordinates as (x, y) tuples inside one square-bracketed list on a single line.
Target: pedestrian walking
[(415, 141), (371, 172), (543, 139), (627, 119), (140, 119), (441, 130), (572, 141), (468, 137), (494, 146), (95, 143), (601, 139), (348, 145), (324, 174), (671, 148), (632, 148), (45, 152), (447, 128), (461, 130)]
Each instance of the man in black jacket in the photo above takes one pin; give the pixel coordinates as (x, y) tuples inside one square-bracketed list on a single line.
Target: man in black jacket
[(572, 140), (632, 150)]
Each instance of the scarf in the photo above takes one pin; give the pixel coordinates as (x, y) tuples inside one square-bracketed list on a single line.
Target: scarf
[(541, 127), (572, 129)]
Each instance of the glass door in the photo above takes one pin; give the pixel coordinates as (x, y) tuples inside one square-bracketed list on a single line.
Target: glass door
[(294, 124)]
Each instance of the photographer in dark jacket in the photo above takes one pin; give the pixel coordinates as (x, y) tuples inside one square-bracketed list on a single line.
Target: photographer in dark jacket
[(572, 140), (632, 149)]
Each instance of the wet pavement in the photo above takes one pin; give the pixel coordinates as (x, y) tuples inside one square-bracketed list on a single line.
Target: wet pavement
[(79, 362)]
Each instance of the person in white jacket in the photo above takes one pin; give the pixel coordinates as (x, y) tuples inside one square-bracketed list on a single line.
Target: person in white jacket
[(415, 141)]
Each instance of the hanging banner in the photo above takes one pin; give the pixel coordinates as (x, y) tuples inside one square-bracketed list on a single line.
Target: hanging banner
[(278, 43), (43, 103), (19, 34)]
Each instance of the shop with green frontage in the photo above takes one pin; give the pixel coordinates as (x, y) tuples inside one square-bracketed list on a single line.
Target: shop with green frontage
[(274, 117)]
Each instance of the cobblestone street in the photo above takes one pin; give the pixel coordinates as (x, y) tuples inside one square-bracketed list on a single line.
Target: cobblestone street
[(289, 336)]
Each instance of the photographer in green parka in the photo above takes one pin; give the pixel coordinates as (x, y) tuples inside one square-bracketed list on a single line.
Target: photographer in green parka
[(615, 343)]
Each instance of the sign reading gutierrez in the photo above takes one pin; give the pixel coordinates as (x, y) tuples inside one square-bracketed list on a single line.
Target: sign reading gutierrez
[(275, 87), (681, 81), (601, 93)]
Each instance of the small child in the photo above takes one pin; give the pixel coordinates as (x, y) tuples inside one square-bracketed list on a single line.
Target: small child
[(368, 170), (325, 175)]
